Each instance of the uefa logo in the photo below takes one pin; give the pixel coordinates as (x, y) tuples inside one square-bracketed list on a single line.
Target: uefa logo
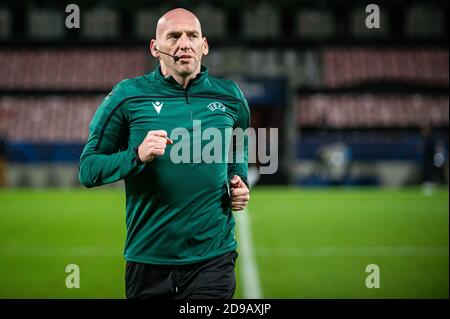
[(216, 106)]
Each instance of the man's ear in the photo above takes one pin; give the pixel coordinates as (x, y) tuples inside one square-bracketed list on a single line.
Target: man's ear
[(152, 48), (205, 50)]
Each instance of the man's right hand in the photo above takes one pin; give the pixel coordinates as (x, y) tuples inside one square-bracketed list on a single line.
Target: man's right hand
[(154, 144)]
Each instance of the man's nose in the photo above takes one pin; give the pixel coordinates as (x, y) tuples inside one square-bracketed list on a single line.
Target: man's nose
[(184, 42)]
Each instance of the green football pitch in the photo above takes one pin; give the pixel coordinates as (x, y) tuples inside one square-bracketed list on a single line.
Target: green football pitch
[(307, 243)]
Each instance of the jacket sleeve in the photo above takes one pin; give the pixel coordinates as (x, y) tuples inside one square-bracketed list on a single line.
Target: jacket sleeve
[(240, 148), (107, 157)]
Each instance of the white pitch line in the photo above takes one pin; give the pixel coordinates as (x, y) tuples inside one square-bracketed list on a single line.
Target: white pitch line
[(330, 251), (319, 251), (249, 270), (53, 251)]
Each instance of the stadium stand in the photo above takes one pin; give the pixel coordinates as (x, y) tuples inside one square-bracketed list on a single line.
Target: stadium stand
[(70, 69), (372, 111), (370, 89), (353, 66), (47, 119)]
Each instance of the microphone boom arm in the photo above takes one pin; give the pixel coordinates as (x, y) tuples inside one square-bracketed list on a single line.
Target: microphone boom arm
[(173, 56)]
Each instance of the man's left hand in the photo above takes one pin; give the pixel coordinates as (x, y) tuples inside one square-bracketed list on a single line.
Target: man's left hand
[(240, 193)]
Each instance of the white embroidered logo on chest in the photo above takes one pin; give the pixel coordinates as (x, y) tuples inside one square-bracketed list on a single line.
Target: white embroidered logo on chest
[(157, 105), (216, 106)]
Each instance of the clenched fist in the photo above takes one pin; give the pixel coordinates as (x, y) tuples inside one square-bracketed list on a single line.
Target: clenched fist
[(240, 193), (154, 144)]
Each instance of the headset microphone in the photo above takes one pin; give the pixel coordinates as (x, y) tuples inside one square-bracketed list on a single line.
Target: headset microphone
[(176, 58)]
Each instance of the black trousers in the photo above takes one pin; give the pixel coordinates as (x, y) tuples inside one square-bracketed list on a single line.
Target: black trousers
[(211, 279)]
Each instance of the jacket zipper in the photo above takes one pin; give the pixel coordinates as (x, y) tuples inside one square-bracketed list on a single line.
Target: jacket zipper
[(188, 102)]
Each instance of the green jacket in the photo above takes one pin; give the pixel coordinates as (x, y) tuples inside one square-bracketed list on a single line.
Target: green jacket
[(176, 213)]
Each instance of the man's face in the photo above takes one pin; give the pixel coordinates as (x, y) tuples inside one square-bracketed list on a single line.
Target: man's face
[(181, 36)]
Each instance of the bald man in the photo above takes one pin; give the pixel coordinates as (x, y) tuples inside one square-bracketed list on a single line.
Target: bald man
[(180, 239)]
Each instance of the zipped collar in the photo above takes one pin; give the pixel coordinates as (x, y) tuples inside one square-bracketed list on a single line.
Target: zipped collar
[(199, 79)]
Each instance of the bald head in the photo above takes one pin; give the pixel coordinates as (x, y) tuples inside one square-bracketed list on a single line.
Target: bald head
[(177, 15), (179, 45)]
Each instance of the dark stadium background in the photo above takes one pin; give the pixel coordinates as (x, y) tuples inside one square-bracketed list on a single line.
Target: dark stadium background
[(363, 120)]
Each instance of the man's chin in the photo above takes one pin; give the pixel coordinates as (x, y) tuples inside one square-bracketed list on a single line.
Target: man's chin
[(186, 70)]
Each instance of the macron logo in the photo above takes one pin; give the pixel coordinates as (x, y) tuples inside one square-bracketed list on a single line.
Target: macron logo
[(157, 105)]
